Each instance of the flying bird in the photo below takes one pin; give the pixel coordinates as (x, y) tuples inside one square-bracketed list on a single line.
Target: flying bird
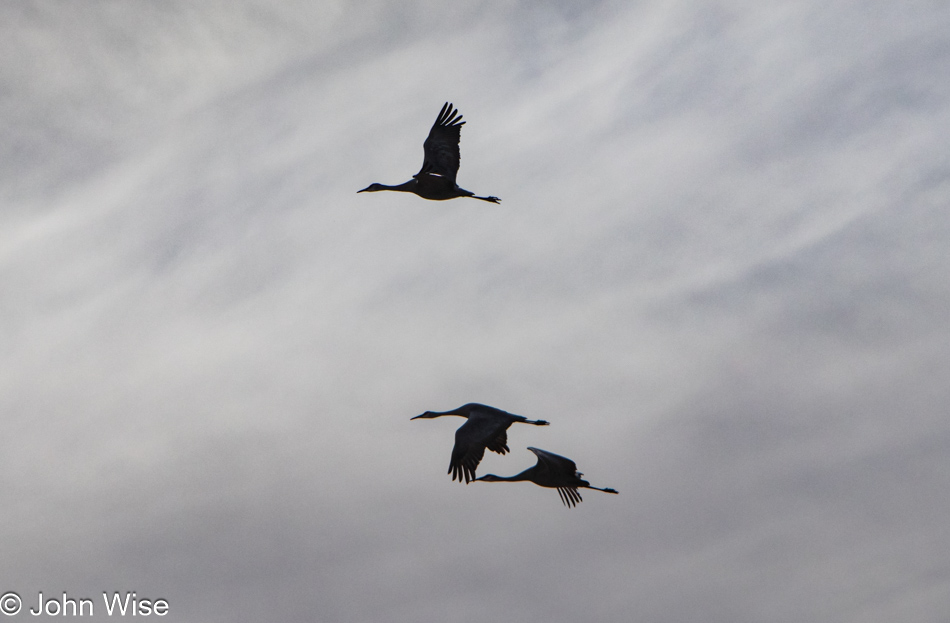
[(436, 178), (486, 428), (554, 471)]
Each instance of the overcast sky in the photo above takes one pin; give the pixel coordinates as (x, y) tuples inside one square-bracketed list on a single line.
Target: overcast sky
[(720, 270)]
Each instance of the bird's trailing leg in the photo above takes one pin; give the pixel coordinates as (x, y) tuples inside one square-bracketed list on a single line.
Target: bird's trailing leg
[(489, 199)]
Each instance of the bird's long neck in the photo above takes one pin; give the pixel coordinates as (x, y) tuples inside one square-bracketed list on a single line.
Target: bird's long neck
[(523, 476), (406, 187), (435, 414)]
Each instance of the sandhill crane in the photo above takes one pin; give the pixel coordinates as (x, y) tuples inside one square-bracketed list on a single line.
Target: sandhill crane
[(486, 428), (436, 178), (554, 471)]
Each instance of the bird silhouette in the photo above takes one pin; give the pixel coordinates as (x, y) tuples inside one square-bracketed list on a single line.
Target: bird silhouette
[(436, 178), (486, 428), (554, 471)]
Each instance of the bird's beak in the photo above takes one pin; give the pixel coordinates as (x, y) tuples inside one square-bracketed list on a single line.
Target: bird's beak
[(418, 416), (364, 190)]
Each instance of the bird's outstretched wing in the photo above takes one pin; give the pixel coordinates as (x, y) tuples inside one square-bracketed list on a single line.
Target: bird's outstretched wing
[(442, 155), (569, 496), (555, 463), (499, 443), (471, 439), (561, 470), (465, 460)]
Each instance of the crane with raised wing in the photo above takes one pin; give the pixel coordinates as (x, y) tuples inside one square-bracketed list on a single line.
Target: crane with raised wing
[(436, 179)]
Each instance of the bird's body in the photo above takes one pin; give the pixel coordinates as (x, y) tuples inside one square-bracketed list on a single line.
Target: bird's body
[(436, 179), (554, 471), (486, 428)]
